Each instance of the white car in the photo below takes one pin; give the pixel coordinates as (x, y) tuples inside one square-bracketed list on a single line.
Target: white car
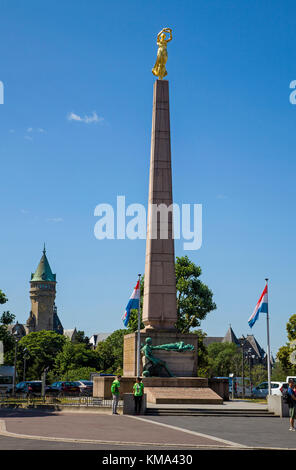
[(86, 387), (261, 391)]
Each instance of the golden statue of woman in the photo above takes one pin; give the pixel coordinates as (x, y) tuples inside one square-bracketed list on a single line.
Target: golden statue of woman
[(162, 53)]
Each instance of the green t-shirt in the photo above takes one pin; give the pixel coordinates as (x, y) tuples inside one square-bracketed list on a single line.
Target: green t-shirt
[(138, 389), (115, 387)]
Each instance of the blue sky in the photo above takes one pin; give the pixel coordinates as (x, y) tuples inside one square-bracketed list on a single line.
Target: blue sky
[(232, 127)]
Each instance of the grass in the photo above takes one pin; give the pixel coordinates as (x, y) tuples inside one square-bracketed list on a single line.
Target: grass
[(252, 400)]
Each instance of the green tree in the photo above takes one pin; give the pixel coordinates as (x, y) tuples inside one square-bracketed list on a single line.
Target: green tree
[(3, 298), (42, 348), (5, 336), (110, 352), (7, 318), (81, 373), (283, 354), (81, 338), (224, 358), (291, 328), (279, 374), (194, 298), (202, 355), (74, 356), (258, 374)]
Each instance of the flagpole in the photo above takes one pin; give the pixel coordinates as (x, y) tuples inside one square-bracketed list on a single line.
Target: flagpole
[(268, 346), (139, 333)]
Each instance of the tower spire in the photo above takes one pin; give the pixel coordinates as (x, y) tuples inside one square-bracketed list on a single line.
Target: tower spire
[(44, 250)]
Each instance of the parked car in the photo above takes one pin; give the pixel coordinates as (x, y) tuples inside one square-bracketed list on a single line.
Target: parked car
[(261, 391), (31, 388), (64, 388), (291, 377), (86, 387)]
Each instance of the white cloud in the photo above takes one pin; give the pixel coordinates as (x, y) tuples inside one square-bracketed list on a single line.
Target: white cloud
[(87, 119)]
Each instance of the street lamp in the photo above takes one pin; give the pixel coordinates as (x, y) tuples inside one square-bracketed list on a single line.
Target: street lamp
[(26, 356), (242, 343), (17, 336), (248, 357)]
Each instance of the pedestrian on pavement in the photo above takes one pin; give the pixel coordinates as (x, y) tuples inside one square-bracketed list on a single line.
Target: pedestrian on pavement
[(115, 394), (138, 391), (292, 404)]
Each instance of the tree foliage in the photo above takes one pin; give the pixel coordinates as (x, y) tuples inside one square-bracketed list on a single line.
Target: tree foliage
[(291, 328), (110, 352), (258, 374), (75, 356), (81, 338), (81, 373), (202, 355), (194, 298), (42, 348), (279, 374), (3, 298), (5, 336), (224, 358), (283, 354)]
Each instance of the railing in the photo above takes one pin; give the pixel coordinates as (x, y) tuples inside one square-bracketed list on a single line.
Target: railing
[(81, 401)]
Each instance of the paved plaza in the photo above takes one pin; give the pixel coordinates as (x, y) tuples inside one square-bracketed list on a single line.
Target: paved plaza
[(33, 429)]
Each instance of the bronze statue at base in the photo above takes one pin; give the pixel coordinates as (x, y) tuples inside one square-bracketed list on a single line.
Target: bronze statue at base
[(153, 365)]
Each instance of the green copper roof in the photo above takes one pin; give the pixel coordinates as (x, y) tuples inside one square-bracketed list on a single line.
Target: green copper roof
[(43, 271)]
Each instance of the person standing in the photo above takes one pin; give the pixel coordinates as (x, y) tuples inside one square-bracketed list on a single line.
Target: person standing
[(138, 391), (292, 404), (115, 394)]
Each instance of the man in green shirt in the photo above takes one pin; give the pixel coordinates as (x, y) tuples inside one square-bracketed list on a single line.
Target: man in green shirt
[(138, 391), (115, 394)]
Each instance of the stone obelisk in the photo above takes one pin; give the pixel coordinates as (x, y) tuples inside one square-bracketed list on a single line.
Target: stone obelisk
[(159, 307)]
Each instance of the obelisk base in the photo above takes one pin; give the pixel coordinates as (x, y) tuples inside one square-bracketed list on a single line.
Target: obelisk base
[(181, 364), (167, 390)]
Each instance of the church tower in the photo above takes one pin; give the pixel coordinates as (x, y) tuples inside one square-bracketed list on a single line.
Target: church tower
[(42, 294)]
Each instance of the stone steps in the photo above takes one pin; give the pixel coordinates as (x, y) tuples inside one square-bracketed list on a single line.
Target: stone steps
[(182, 395), (207, 412)]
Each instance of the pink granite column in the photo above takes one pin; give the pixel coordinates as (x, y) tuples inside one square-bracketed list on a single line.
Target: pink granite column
[(160, 307)]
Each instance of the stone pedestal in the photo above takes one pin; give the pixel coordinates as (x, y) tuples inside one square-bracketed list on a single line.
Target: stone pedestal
[(161, 390), (129, 404), (181, 364)]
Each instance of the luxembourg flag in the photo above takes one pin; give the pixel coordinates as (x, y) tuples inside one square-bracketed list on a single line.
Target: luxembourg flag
[(262, 306), (133, 303)]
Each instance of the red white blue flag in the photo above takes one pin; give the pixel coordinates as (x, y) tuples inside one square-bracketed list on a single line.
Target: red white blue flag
[(133, 303), (262, 306)]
